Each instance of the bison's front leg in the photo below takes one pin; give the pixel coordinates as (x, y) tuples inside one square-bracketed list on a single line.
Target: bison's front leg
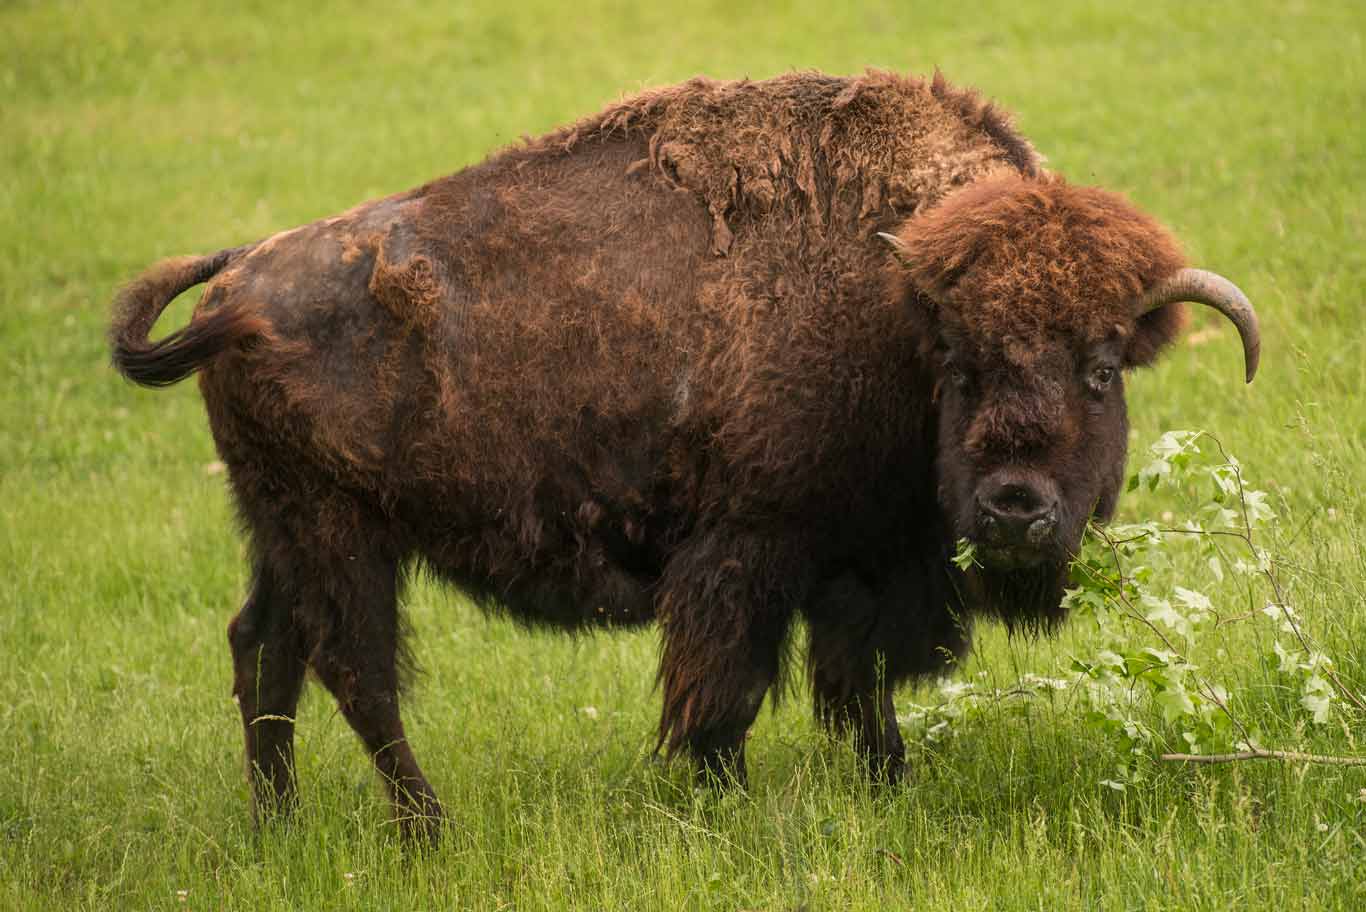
[(868, 637), (726, 604)]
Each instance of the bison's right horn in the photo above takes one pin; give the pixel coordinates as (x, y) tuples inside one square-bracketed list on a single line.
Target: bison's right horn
[(1204, 287)]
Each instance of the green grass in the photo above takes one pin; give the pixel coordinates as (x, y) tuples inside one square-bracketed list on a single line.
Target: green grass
[(133, 130)]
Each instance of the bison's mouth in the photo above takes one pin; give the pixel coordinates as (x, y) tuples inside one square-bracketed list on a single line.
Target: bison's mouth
[(998, 557)]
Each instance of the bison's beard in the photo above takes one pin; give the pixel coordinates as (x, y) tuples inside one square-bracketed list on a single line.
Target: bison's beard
[(1028, 598)]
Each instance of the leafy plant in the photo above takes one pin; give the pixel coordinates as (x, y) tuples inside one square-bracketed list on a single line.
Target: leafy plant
[(1141, 689)]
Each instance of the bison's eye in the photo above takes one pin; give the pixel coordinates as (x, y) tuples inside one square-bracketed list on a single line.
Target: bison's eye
[(957, 376), (1101, 377)]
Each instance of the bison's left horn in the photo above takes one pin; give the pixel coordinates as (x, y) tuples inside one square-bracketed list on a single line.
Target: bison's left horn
[(1204, 287), (898, 247)]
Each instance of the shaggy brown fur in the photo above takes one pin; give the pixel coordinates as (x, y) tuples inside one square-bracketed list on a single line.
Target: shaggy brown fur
[(1015, 259), (657, 365)]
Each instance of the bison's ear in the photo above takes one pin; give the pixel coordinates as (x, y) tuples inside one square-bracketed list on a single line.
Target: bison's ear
[(1153, 332), (928, 260)]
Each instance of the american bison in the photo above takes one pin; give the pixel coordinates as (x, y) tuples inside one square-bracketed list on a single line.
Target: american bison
[(722, 356)]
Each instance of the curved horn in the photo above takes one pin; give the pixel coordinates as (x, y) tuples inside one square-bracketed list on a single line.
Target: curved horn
[(898, 248), (1204, 287)]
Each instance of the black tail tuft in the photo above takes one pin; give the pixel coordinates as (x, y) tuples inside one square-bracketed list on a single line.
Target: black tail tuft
[(187, 349), (184, 351)]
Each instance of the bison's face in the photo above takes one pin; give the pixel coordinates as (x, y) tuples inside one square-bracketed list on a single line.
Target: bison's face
[(1030, 300), (1031, 442)]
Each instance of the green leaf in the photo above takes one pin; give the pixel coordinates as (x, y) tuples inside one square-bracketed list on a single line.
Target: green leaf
[(1318, 705), (1288, 662), (1317, 698), (966, 555), (1160, 611), (1174, 702)]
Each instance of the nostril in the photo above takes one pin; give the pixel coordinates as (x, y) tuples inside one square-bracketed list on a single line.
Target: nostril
[(1016, 501)]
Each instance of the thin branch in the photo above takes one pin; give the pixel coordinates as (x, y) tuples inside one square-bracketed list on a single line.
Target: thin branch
[(1236, 617), (1260, 754), (1203, 687), (1342, 689)]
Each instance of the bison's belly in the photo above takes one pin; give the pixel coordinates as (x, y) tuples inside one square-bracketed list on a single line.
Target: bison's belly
[(564, 521), (542, 564)]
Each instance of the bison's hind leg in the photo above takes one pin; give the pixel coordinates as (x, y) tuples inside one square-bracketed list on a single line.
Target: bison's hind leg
[(268, 673), (325, 596), (352, 599)]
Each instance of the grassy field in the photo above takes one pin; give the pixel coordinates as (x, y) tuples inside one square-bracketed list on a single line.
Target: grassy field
[(135, 130)]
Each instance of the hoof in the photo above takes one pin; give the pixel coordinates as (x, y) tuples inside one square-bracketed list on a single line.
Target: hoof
[(420, 818)]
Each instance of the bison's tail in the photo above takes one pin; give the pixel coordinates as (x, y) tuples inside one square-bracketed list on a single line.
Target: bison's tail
[(189, 348)]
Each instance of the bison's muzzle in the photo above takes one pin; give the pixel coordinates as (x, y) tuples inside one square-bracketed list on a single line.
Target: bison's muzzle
[(1017, 520)]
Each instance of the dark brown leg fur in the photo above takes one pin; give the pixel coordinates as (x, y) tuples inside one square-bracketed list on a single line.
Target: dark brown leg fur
[(726, 604), (864, 641), (868, 714), (733, 683), (356, 657), (268, 673)]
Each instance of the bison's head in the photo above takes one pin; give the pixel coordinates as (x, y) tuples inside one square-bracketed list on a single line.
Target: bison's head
[(1032, 298)]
